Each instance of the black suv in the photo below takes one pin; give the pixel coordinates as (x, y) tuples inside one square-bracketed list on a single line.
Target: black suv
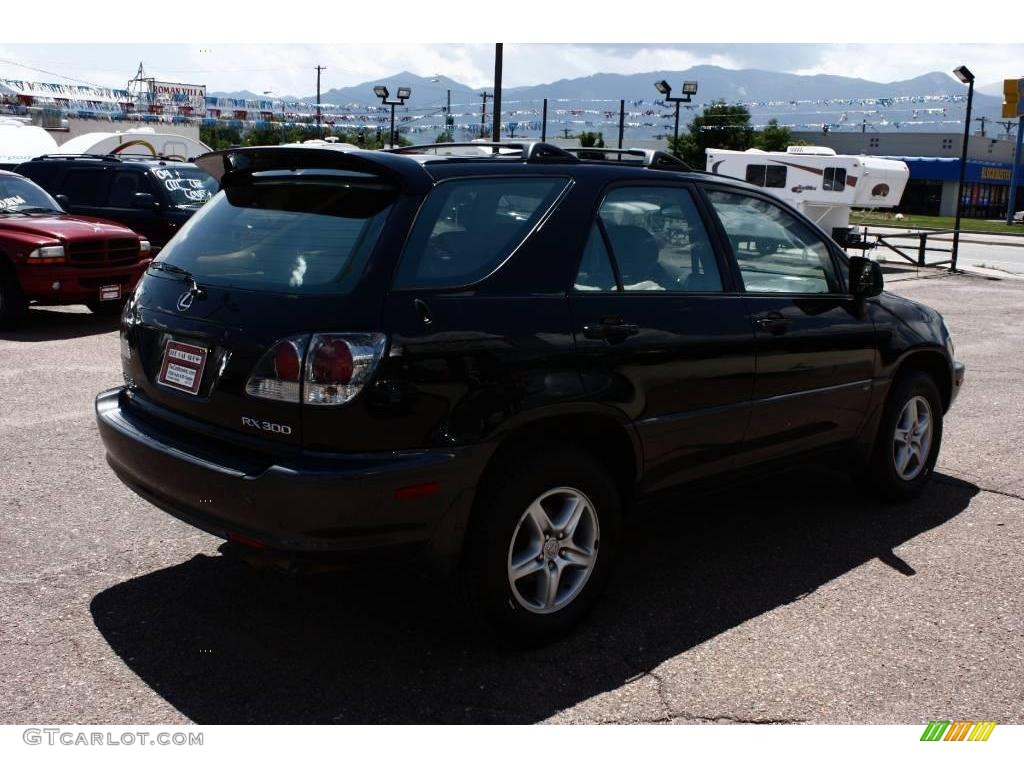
[(152, 196), (489, 359)]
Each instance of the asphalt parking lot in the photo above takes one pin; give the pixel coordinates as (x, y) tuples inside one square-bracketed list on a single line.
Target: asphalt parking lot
[(799, 600)]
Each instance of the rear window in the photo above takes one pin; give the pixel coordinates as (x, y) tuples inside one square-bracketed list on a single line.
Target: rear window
[(467, 228), (285, 233), (186, 186)]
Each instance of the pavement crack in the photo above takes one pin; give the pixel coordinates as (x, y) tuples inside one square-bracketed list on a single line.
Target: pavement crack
[(963, 484)]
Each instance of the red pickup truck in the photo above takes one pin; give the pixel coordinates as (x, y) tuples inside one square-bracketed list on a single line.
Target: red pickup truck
[(50, 257)]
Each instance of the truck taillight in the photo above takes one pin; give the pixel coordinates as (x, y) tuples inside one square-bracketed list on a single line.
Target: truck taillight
[(277, 375), (339, 365), (325, 369)]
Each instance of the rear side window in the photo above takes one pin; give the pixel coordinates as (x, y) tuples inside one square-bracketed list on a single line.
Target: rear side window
[(124, 187), (86, 186), (467, 228), (284, 233)]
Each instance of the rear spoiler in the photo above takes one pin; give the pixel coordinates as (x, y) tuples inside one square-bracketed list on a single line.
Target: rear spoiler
[(406, 173)]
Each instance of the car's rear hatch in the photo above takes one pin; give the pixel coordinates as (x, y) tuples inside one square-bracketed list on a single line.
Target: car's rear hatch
[(297, 242)]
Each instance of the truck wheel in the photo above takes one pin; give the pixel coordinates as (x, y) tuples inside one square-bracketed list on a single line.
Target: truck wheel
[(908, 440), (13, 306), (543, 538)]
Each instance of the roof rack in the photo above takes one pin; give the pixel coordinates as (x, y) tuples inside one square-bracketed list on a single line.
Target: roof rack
[(651, 158), (530, 151), (102, 156)]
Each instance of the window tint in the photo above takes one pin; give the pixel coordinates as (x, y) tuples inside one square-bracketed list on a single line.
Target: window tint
[(467, 228), (658, 240), (86, 186), (595, 273), (123, 187), (308, 235), (767, 175), (834, 180), (776, 252)]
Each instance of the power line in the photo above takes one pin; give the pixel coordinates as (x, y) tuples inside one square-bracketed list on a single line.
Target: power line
[(54, 74)]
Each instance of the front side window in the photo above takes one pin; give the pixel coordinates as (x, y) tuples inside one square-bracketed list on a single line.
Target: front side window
[(657, 240), (276, 232), (775, 251), (124, 186), (86, 186), (467, 228)]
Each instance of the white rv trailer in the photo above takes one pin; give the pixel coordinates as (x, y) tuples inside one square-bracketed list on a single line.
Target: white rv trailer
[(20, 142), (816, 181), (138, 141)]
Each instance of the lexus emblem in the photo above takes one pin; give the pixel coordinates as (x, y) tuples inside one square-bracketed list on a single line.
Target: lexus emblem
[(185, 301)]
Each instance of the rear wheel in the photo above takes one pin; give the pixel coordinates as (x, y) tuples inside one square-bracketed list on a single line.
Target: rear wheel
[(909, 437), (13, 306), (544, 534)]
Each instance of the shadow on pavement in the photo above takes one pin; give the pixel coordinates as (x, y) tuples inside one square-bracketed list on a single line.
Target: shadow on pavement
[(55, 325), (225, 644)]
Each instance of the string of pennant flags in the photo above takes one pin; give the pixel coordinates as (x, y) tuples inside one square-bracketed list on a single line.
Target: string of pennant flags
[(188, 105)]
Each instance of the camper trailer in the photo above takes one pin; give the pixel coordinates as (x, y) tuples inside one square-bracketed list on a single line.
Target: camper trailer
[(816, 181), (139, 141), (20, 142)]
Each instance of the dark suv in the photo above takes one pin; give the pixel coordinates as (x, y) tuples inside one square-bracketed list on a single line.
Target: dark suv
[(153, 197), (488, 359)]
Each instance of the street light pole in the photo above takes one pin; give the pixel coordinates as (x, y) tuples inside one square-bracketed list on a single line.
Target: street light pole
[(689, 90), (318, 70), (381, 92), (965, 76)]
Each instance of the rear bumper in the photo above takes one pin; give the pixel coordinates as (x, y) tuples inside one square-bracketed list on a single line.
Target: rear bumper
[(326, 504), (75, 285)]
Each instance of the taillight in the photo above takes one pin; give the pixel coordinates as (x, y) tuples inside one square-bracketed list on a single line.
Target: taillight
[(278, 374), (339, 364), (327, 369)]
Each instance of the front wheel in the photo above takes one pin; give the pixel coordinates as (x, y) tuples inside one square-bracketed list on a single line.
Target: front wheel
[(909, 437), (13, 307), (544, 534)]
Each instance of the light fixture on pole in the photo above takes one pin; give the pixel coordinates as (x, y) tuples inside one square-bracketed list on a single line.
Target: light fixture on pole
[(965, 76), (689, 91), (382, 93)]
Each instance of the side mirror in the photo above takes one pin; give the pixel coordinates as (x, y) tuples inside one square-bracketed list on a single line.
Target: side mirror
[(865, 277), (143, 200), (64, 201)]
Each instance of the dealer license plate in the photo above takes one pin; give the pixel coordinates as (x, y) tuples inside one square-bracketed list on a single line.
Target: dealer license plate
[(183, 366), (110, 292)]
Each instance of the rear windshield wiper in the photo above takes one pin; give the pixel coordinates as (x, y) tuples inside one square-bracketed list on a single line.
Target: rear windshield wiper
[(174, 269)]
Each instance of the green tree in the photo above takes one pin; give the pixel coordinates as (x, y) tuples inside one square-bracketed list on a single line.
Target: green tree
[(719, 126), (219, 136), (591, 139), (773, 137)]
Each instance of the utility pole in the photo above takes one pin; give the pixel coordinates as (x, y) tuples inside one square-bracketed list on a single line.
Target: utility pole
[(544, 122), (622, 120), (319, 69), (483, 115), (566, 130), (496, 129), (983, 119), (449, 121)]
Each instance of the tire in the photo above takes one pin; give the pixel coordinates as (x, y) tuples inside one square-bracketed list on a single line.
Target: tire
[(106, 308), (522, 496), (13, 306), (904, 455)]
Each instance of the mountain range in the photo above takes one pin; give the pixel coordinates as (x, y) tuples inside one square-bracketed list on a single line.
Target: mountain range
[(742, 85)]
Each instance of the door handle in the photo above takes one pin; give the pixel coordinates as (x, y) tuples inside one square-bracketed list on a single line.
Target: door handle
[(610, 329), (774, 323)]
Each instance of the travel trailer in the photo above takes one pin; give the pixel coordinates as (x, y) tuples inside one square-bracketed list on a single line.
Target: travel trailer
[(20, 142), (816, 181), (140, 141)]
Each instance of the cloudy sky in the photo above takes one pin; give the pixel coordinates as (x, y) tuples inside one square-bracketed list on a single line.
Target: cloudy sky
[(288, 68)]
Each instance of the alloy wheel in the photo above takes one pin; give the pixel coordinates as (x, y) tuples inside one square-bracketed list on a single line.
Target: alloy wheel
[(912, 438), (553, 550)]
